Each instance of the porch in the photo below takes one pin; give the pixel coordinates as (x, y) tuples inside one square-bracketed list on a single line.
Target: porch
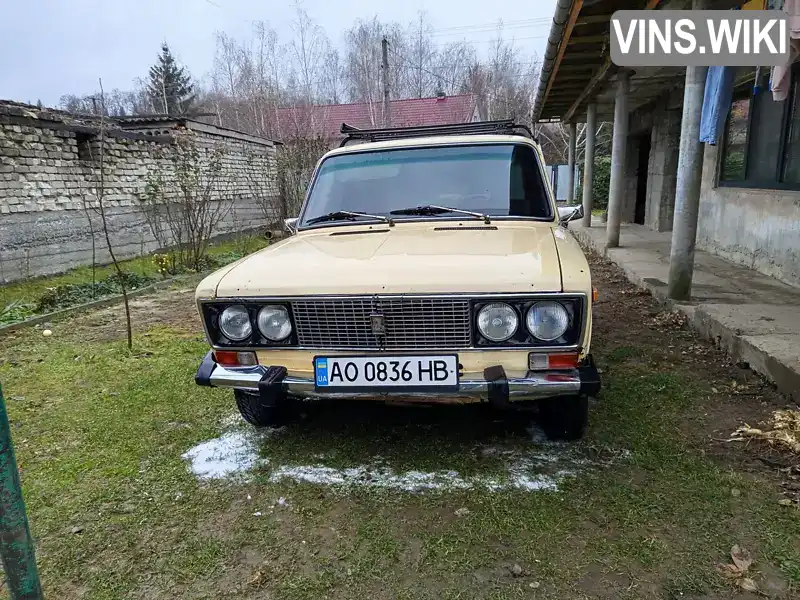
[(751, 315)]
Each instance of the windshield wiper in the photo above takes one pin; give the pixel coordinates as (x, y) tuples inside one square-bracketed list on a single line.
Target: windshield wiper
[(432, 209), (342, 215)]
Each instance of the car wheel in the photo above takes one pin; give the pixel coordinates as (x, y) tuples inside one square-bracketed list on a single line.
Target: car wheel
[(565, 418), (255, 412)]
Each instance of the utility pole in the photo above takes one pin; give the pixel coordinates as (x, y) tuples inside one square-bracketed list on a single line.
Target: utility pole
[(387, 107)]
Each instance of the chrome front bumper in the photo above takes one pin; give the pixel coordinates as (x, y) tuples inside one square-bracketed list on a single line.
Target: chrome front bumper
[(495, 387)]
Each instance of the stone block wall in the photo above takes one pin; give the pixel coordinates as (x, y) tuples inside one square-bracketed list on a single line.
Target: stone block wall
[(49, 176)]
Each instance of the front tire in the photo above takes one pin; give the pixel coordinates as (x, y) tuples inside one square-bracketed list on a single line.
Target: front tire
[(259, 414), (565, 418)]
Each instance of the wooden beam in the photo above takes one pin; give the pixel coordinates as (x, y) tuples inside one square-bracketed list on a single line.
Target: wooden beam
[(576, 76), (558, 87), (588, 39), (596, 81), (590, 19), (578, 67), (573, 16)]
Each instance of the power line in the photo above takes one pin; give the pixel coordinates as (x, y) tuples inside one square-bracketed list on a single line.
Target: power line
[(511, 41), (496, 24), (485, 29), (410, 65)]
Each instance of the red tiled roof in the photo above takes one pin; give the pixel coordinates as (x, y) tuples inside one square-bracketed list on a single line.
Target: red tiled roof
[(326, 120)]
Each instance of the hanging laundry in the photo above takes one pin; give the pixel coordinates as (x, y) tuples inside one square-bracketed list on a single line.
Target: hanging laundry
[(780, 76), (716, 103)]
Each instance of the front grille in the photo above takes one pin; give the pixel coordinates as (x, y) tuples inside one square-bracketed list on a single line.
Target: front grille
[(411, 323)]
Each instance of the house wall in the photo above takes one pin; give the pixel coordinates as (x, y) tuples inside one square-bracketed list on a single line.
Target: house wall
[(756, 228), (48, 206)]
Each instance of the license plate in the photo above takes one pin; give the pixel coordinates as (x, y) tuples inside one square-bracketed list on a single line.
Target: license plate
[(389, 372)]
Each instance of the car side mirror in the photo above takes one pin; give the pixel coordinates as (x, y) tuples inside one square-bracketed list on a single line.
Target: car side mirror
[(571, 212), (290, 225)]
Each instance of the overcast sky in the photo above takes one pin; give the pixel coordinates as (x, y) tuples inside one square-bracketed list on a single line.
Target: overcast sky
[(55, 47)]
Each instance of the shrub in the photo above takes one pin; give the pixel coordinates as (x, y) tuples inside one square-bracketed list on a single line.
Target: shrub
[(602, 177)]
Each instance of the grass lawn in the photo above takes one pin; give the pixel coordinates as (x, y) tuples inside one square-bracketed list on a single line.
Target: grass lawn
[(655, 502), (29, 290)]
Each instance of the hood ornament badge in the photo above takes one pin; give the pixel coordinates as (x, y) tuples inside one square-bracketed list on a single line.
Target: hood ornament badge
[(377, 322)]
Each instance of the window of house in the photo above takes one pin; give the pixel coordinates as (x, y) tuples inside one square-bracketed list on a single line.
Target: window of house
[(791, 166), (761, 146)]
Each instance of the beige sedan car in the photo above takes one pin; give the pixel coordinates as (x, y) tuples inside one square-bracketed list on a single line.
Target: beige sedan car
[(427, 265)]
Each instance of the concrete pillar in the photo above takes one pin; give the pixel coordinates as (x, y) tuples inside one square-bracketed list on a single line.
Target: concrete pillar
[(616, 187), (573, 140), (687, 187), (588, 163), (662, 170)]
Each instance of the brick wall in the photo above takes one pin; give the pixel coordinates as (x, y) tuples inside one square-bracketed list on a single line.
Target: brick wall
[(49, 173)]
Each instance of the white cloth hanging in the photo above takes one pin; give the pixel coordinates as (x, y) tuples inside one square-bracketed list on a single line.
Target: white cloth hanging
[(780, 77)]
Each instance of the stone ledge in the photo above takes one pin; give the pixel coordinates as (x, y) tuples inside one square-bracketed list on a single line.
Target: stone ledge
[(765, 336)]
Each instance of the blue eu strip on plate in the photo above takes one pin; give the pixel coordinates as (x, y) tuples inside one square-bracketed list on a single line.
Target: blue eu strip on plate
[(321, 368)]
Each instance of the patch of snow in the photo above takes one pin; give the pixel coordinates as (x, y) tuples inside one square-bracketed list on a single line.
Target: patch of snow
[(541, 467), (522, 475), (231, 454)]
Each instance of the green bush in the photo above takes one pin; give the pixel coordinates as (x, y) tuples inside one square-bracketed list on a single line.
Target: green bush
[(602, 177)]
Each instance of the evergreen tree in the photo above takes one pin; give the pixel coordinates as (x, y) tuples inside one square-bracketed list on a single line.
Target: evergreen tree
[(170, 88)]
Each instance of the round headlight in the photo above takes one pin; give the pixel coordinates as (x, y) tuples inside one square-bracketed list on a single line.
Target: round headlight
[(274, 323), (497, 322), (234, 323), (547, 321)]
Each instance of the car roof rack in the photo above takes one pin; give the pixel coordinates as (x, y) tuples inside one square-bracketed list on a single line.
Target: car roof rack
[(504, 127)]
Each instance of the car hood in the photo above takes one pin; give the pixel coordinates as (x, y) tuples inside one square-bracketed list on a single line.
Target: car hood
[(408, 258)]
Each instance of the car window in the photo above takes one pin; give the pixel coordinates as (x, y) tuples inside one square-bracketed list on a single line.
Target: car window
[(501, 180)]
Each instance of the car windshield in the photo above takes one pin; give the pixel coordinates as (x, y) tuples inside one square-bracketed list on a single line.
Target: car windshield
[(500, 180)]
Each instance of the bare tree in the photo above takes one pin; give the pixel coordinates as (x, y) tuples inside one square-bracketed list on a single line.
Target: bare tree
[(266, 84), (421, 59), (186, 198), (231, 69), (555, 141), (363, 64), (296, 162), (100, 195), (308, 49), (453, 66), (332, 84)]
